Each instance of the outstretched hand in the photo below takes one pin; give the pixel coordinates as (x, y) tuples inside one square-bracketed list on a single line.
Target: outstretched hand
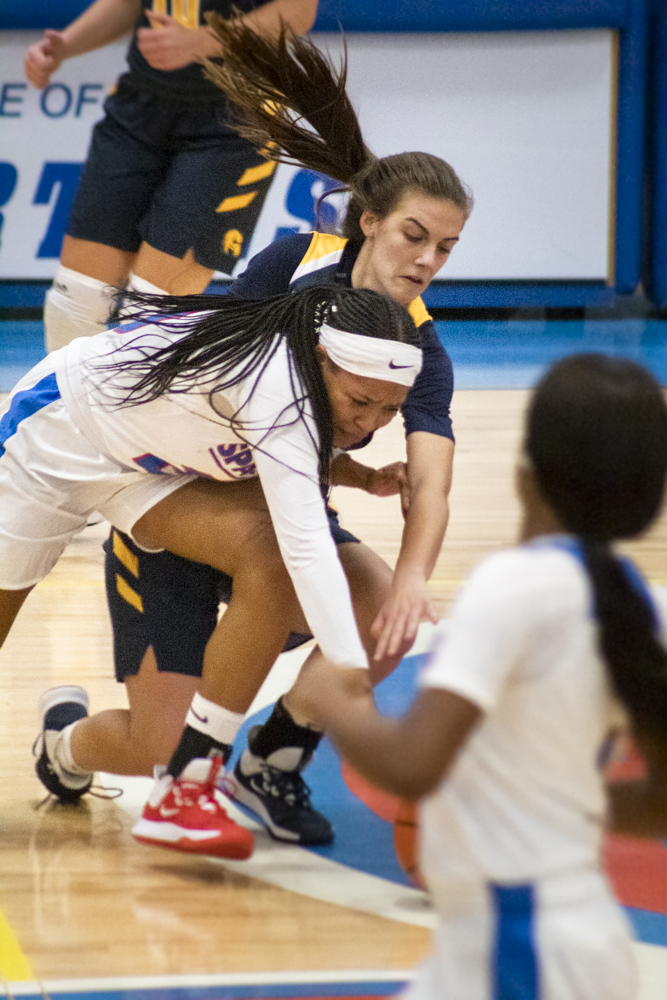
[(44, 58), (167, 45), (395, 628)]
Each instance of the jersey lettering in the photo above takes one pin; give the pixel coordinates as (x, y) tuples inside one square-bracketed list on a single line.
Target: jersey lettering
[(186, 12), (237, 459)]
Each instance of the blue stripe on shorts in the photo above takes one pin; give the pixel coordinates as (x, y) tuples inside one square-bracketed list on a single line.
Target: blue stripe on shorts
[(25, 403), (514, 971)]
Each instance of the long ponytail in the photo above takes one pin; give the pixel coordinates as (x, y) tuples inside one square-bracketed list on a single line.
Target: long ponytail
[(628, 639), (291, 101), (597, 440)]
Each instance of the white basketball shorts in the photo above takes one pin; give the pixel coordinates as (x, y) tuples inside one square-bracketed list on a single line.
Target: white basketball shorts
[(52, 477)]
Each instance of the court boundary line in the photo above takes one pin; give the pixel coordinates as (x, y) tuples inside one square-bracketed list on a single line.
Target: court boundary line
[(119, 983)]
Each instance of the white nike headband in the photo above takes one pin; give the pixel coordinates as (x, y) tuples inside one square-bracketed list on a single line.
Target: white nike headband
[(372, 357)]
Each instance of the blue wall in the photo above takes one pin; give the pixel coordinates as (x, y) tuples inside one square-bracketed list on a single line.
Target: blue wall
[(629, 16), (389, 15)]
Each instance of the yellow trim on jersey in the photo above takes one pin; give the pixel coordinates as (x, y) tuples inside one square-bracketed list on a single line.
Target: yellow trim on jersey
[(254, 174), (238, 201), (124, 556), (126, 592), (418, 311), (186, 12), (321, 245)]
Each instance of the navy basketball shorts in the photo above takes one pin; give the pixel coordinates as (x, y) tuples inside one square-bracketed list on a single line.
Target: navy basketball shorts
[(171, 174), (161, 600)]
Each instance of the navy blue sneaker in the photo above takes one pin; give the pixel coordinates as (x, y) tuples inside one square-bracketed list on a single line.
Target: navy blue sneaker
[(278, 795), (58, 707)]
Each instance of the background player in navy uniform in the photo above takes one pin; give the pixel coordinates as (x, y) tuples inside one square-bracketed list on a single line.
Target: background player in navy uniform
[(551, 648), (406, 214), (169, 192)]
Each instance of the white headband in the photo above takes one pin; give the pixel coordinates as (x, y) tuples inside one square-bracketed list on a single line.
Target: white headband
[(372, 357)]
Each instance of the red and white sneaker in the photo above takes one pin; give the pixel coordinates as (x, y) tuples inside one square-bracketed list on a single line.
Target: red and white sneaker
[(183, 814)]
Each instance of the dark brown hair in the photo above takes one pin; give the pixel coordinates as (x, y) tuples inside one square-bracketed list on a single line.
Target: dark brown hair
[(290, 100)]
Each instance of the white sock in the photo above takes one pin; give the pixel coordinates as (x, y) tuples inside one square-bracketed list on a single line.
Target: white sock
[(215, 721), (75, 306), (138, 284), (61, 751)]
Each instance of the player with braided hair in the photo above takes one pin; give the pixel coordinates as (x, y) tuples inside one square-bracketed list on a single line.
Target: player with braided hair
[(405, 216), (140, 423), (552, 648)]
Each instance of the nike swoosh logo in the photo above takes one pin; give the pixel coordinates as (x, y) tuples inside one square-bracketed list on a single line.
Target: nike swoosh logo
[(392, 365), (168, 812), (202, 718)]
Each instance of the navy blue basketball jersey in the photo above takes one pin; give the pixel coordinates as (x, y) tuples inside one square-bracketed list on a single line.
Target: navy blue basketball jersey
[(189, 83)]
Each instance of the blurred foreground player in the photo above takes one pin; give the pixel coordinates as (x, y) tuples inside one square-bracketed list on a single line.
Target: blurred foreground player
[(550, 645)]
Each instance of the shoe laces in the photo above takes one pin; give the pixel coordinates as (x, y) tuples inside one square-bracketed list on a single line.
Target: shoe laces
[(97, 791), (190, 793), (286, 785)]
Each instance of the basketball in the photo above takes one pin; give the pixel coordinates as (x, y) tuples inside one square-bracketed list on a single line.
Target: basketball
[(406, 841)]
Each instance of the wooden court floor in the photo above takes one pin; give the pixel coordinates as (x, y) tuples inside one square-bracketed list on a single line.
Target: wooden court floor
[(78, 897)]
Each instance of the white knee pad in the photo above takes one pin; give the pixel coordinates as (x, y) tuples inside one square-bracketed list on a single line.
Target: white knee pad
[(137, 284), (75, 306)]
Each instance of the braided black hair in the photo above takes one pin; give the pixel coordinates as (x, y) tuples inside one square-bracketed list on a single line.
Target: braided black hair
[(597, 440), (228, 339)]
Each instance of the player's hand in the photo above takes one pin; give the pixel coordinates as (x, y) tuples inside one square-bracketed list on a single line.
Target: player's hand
[(167, 44), (395, 627), (388, 481), (44, 58)]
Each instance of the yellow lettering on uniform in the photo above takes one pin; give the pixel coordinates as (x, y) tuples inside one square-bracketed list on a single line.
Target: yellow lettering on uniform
[(126, 592), (159, 6), (124, 556), (239, 201), (232, 242), (186, 12), (254, 174)]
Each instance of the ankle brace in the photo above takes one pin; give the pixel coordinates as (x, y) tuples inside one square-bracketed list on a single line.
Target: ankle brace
[(280, 731), (193, 744)]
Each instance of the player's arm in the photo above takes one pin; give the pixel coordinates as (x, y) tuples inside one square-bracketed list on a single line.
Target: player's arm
[(407, 756), (103, 22), (430, 460), (168, 45), (639, 808), (384, 482)]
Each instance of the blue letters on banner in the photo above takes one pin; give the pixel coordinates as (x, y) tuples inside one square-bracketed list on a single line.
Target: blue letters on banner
[(60, 105), (66, 175), (83, 96), (8, 178), (300, 201), (6, 97)]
